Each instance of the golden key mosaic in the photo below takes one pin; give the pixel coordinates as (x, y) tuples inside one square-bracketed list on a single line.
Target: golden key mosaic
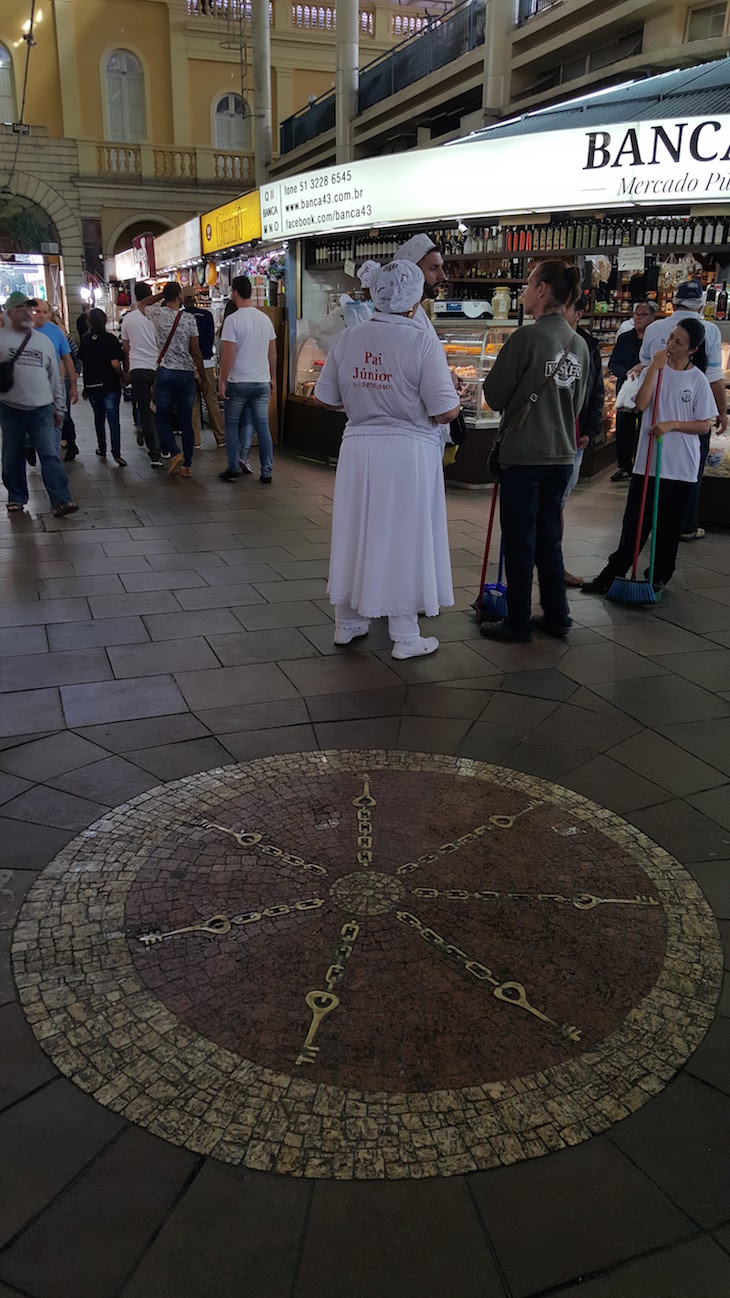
[(367, 964)]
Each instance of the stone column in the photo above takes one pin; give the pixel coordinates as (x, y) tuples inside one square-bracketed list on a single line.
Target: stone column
[(261, 89), (346, 76), (496, 82)]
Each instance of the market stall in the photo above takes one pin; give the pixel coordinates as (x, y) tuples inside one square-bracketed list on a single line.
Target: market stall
[(231, 245), (636, 206)]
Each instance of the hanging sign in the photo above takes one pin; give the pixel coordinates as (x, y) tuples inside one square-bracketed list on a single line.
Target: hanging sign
[(235, 223), (632, 258), (177, 246), (624, 165)]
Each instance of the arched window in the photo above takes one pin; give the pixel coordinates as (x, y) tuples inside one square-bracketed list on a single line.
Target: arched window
[(125, 97), (232, 129), (7, 92)]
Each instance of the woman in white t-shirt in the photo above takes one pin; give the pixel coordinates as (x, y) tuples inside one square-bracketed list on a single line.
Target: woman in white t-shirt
[(686, 410), (390, 545)]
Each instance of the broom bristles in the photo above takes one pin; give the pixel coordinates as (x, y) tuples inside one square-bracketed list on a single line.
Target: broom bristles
[(626, 590)]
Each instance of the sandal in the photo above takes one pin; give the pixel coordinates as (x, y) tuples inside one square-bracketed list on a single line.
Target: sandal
[(14, 508), (65, 507)]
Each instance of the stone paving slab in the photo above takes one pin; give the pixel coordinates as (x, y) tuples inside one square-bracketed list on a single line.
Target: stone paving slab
[(154, 542)]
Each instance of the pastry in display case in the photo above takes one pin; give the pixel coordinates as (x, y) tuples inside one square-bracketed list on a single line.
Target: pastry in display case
[(309, 364), (471, 349)]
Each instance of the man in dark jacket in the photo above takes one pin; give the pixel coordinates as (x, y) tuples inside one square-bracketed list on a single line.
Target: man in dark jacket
[(624, 357), (590, 419), (208, 391)]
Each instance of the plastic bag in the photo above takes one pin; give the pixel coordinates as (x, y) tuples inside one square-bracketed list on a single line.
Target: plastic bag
[(629, 389)]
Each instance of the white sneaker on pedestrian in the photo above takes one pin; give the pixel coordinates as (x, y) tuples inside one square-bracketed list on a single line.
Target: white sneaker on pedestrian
[(245, 464), (345, 635), (697, 535), (416, 648)]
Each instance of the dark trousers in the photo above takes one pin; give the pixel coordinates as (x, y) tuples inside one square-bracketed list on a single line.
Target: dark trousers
[(672, 504), (175, 389), (68, 428), (530, 512), (143, 390), (691, 519), (105, 406), (627, 434)]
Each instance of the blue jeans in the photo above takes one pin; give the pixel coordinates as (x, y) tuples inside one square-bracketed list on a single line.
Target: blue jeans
[(41, 431), (246, 413), (175, 390), (691, 519), (105, 406), (530, 512)]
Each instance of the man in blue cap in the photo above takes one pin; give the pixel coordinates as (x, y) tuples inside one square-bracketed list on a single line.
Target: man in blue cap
[(688, 301)]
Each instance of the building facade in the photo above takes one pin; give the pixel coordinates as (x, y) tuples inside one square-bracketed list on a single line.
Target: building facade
[(139, 113), (486, 60)]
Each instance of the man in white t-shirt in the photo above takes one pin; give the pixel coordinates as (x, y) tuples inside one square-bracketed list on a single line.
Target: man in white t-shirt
[(139, 342), (247, 378)]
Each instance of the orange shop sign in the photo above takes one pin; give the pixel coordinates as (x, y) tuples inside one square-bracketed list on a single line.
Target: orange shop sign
[(235, 223)]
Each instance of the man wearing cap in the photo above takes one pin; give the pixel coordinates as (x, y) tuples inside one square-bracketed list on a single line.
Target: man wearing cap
[(422, 251), (33, 406), (688, 301), (208, 390)]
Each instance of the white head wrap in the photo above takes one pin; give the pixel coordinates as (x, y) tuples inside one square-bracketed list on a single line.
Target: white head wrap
[(398, 287), (416, 248), (367, 273)]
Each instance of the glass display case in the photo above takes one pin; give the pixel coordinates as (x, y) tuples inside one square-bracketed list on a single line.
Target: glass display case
[(471, 349)]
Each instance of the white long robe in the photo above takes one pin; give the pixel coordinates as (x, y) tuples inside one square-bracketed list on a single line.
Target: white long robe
[(390, 546)]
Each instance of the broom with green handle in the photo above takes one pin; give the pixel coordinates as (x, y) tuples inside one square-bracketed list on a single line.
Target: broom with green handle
[(631, 590), (655, 514)]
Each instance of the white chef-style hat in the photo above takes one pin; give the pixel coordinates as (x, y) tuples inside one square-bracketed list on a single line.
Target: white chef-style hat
[(416, 248), (398, 287), (367, 273)]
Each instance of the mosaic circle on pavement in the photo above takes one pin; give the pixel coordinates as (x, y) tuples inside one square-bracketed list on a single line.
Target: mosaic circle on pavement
[(367, 964)]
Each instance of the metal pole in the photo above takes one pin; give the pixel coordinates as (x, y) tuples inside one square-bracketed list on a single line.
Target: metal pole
[(346, 78), (261, 89)]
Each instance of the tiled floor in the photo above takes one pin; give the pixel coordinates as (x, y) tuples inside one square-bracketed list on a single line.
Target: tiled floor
[(172, 627)]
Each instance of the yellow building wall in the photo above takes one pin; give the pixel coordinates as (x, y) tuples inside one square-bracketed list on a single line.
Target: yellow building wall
[(43, 99), (310, 83), (207, 80), (137, 25)]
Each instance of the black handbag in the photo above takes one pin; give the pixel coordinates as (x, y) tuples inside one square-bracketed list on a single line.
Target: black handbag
[(458, 431), (7, 375)]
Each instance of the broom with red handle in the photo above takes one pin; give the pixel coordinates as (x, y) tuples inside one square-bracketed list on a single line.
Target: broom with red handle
[(631, 590), (491, 602)]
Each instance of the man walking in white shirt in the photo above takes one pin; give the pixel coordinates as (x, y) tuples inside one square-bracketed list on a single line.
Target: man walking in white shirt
[(247, 378), (139, 342)]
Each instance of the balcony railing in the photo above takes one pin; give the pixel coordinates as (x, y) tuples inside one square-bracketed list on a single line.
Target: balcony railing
[(460, 30), (148, 162), (438, 43), (323, 18), (308, 123), (531, 8)]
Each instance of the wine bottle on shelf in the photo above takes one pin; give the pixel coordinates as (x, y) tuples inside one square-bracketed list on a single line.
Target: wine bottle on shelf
[(721, 303), (709, 311), (719, 232), (664, 232), (672, 233), (697, 232), (602, 237), (570, 239), (709, 230)]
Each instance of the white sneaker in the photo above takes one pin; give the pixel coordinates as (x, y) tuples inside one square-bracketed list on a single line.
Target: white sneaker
[(416, 648), (697, 535), (346, 637)]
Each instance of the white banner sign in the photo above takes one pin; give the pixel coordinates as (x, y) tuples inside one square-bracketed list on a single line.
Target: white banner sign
[(175, 247), (644, 164), (632, 258)]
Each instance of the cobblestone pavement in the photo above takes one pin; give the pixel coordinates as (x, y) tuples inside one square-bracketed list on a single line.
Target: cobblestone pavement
[(440, 1080)]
